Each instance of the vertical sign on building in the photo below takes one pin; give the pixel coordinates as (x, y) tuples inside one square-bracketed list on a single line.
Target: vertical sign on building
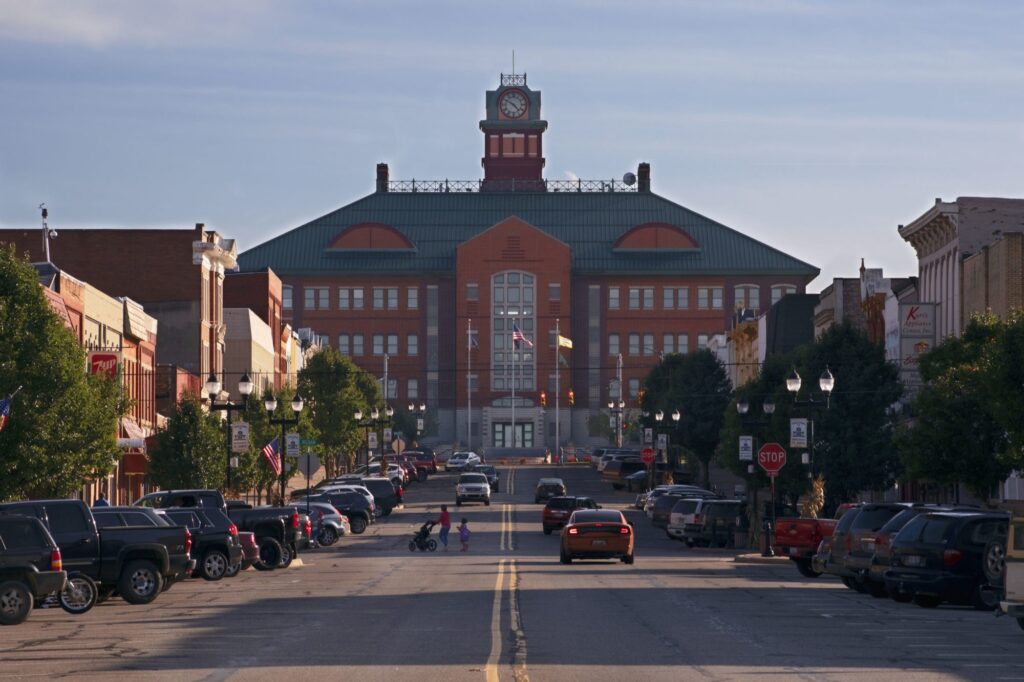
[(917, 336)]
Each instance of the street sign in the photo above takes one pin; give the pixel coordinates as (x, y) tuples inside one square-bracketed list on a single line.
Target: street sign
[(746, 448), (771, 457), (309, 464), (662, 442), (419, 424), (798, 433), (309, 442), (292, 444), (240, 437), (647, 455)]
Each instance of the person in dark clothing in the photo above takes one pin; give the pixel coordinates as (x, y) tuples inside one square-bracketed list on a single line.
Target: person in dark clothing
[(101, 501)]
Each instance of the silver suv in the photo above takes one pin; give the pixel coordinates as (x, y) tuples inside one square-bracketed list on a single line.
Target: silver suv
[(472, 487)]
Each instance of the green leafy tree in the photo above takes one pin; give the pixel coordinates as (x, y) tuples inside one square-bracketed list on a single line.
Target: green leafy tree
[(695, 384), (191, 451), (63, 424)]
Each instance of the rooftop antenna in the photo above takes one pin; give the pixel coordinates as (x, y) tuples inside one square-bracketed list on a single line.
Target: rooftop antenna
[(48, 234)]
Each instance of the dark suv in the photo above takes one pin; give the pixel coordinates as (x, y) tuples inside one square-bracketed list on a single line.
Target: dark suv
[(937, 557), (558, 510), (214, 540), (30, 567), (858, 545)]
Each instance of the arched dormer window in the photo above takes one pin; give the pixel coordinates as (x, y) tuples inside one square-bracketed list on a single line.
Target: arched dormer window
[(656, 237), (370, 237)]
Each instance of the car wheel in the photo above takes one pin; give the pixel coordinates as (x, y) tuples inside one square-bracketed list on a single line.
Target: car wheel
[(141, 582), (16, 602), (547, 531), (287, 554), (927, 601), (877, 590), (328, 536), (993, 561), (487, 503), (628, 559), (564, 558), (357, 524), (270, 555), (689, 543), (805, 569), (79, 594), (214, 565), (851, 583), (233, 570)]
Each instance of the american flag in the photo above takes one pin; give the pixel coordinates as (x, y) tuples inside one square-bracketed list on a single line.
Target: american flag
[(517, 336), (273, 454), (5, 411)]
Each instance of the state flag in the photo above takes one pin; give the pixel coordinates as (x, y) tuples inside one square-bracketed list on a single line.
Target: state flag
[(564, 341)]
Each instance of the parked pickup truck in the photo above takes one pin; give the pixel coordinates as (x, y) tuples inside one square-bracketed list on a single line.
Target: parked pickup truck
[(279, 531), (1011, 601), (30, 567), (799, 539), (135, 561)]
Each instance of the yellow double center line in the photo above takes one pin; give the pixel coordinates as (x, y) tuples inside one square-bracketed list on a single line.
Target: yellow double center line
[(506, 567)]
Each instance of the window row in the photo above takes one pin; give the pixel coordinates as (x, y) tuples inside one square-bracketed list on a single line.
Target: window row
[(644, 344), (351, 298), (708, 298), (381, 344), (412, 389)]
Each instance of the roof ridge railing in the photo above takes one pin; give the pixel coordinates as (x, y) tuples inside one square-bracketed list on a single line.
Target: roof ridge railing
[(509, 185)]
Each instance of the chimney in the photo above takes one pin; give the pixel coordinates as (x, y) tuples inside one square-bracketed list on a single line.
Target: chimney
[(643, 177), (382, 177)]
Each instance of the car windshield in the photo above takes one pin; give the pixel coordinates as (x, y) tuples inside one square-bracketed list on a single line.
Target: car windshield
[(685, 507), (486, 469), (550, 481), (722, 510), (597, 516), (844, 523), (897, 522), (873, 518), (472, 478)]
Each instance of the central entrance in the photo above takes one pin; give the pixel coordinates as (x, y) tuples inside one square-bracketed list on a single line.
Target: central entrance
[(503, 435)]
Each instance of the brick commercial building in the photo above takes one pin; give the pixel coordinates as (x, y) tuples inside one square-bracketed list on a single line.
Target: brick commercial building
[(431, 278)]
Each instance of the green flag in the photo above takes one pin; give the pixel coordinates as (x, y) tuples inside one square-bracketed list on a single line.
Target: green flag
[(562, 360)]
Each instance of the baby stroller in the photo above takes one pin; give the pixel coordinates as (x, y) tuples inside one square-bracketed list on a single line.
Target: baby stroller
[(422, 540)]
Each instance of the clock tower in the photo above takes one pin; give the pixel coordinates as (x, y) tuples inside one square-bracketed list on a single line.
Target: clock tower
[(513, 132)]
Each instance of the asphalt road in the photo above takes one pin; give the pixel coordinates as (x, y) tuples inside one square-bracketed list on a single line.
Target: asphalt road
[(368, 609)]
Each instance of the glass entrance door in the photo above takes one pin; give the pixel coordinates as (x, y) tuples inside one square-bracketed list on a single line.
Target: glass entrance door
[(503, 435)]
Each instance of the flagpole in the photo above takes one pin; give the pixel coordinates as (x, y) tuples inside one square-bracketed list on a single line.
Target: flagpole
[(469, 384), (558, 391), (515, 347)]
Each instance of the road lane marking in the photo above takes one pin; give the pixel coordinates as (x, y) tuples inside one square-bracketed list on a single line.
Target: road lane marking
[(491, 669), (519, 654)]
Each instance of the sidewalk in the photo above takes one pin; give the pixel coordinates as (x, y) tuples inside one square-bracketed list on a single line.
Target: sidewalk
[(758, 559)]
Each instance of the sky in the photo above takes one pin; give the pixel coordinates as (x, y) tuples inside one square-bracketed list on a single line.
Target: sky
[(815, 127)]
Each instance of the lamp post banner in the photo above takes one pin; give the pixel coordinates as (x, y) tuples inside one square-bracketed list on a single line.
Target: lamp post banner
[(663, 442), (648, 436), (371, 440), (387, 436), (798, 433), (240, 437), (746, 448), (293, 443)]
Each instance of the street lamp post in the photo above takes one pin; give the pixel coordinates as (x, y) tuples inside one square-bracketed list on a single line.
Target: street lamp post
[(417, 414), (212, 386), (659, 417), (366, 424), (616, 407), (384, 419), (826, 384), (270, 403), (767, 409)]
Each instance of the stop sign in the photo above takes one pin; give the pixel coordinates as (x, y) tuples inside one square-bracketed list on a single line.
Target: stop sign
[(771, 457), (647, 455)]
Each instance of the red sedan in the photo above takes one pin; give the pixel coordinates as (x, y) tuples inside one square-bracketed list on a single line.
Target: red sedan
[(597, 534)]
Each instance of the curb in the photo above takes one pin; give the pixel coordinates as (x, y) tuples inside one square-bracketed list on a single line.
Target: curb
[(758, 559)]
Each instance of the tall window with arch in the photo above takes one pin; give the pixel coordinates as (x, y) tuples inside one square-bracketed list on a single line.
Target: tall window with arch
[(513, 294)]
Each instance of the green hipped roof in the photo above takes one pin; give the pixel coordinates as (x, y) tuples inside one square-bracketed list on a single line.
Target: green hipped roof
[(588, 222)]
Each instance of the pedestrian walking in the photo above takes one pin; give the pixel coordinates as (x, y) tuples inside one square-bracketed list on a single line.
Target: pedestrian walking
[(445, 521), (464, 534), (101, 501)]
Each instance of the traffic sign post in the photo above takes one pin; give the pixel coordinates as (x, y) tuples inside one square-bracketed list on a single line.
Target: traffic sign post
[(647, 455), (771, 457)]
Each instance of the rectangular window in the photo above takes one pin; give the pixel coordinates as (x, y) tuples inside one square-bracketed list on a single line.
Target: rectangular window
[(412, 298), (392, 389), (357, 299), (357, 345), (634, 344), (683, 344), (323, 340), (668, 343), (412, 343), (309, 298), (323, 298), (648, 344), (683, 298), (378, 298), (344, 299), (648, 298), (634, 388), (412, 389), (716, 298), (613, 298), (286, 297), (702, 298), (392, 298), (378, 344), (668, 298), (613, 344), (780, 290), (343, 344), (472, 292), (392, 344), (555, 292), (634, 298), (702, 341)]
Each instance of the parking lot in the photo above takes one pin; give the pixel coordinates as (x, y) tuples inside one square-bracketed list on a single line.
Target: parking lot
[(367, 608)]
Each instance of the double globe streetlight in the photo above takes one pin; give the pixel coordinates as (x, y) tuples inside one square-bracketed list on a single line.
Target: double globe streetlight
[(212, 386), (270, 403), (374, 420), (616, 407), (659, 417)]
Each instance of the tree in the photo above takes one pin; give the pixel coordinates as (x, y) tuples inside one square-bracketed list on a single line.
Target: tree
[(695, 384), (191, 451), (254, 469), (63, 423)]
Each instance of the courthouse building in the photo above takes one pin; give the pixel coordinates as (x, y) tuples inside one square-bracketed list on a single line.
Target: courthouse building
[(429, 279)]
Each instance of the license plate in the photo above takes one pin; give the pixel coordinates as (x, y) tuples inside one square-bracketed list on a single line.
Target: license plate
[(598, 543), (913, 560)]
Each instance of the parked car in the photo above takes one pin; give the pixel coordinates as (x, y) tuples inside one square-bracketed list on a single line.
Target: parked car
[(665, 502), (558, 509), (638, 480), (835, 562), (250, 554), (31, 567), (472, 486), (860, 542), (684, 512), (799, 539), (352, 505), (492, 476), (938, 557), (279, 531), (214, 540), (597, 534), (424, 458), (717, 525), (135, 561), (548, 488), (329, 523), (183, 498), (386, 496), (616, 471), (462, 460), (612, 454)]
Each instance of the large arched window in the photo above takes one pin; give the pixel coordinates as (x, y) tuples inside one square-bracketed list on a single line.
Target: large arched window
[(512, 303)]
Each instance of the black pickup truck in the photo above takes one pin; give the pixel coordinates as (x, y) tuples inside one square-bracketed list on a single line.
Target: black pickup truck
[(279, 531), (214, 539), (135, 561), (30, 567)]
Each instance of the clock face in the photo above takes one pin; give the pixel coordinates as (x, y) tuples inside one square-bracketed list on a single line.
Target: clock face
[(513, 104)]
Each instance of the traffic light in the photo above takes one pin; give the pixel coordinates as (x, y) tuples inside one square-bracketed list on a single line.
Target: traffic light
[(572, 398), (543, 398)]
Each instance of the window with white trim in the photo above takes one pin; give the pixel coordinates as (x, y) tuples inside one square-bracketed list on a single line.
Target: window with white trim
[(286, 297), (412, 344), (613, 344), (613, 298)]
